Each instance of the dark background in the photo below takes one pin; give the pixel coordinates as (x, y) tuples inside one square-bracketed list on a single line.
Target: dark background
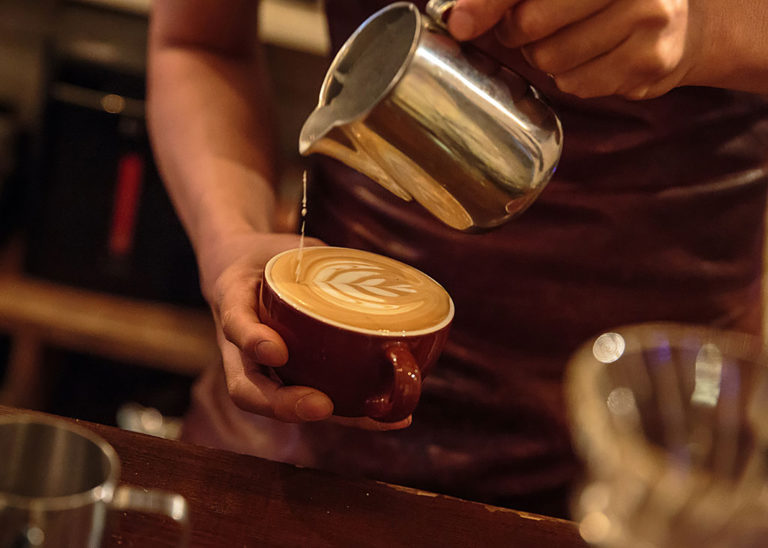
[(74, 152)]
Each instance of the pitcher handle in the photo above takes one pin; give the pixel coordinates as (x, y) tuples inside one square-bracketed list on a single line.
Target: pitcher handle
[(154, 501), (437, 9)]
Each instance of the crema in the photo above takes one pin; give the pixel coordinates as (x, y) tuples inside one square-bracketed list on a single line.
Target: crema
[(359, 290)]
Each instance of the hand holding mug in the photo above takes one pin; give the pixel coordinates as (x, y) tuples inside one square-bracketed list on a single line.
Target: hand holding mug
[(229, 279), (230, 275)]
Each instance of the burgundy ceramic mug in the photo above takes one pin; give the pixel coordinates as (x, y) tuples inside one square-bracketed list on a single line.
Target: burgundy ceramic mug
[(362, 328)]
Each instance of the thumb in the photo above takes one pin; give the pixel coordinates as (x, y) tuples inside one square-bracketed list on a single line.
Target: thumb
[(471, 18)]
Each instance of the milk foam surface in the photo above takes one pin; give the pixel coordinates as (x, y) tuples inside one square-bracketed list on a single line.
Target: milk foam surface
[(360, 290)]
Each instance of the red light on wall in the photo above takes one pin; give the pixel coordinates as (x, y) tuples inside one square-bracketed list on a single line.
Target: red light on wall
[(130, 178)]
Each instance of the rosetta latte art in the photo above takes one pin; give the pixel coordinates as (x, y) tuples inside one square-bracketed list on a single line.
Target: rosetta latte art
[(356, 285), (358, 289)]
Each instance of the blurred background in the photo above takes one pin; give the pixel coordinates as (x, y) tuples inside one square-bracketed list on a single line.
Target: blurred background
[(100, 312)]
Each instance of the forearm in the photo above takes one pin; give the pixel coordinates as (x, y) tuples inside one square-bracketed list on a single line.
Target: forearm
[(211, 131), (212, 148), (733, 42)]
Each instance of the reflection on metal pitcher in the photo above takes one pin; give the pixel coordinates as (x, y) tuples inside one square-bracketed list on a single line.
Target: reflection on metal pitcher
[(465, 137)]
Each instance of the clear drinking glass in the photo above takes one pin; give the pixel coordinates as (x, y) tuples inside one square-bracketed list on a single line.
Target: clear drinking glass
[(672, 422)]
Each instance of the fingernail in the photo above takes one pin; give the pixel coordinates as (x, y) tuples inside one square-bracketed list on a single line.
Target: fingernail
[(461, 24), (268, 353), (313, 407)]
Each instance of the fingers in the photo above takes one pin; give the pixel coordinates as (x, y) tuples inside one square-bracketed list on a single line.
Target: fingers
[(518, 21), (632, 48), (253, 392), (646, 25), (471, 18), (236, 295), (580, 42), (532, 20), (631, 70)]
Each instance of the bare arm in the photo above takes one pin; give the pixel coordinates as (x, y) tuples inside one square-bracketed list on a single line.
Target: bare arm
[(208, 117), (212, 135)]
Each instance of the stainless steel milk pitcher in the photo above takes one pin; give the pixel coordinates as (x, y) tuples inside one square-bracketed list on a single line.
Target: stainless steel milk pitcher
[(403, 104)]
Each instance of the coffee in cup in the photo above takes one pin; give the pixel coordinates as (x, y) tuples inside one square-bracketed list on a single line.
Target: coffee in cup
[(363, 328)]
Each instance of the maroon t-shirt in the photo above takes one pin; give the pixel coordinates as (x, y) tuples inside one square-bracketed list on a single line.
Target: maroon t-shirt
[(655, 213)]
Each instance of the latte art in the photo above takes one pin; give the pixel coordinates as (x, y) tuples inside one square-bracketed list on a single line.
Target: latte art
[(354, 285), (359, 290)]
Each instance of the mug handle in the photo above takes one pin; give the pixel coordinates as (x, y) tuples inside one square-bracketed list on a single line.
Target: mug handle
[(154, 501), (406, 387)]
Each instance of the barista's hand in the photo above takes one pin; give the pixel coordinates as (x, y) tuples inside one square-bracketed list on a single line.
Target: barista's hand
[(635, 48), (230, 275)]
